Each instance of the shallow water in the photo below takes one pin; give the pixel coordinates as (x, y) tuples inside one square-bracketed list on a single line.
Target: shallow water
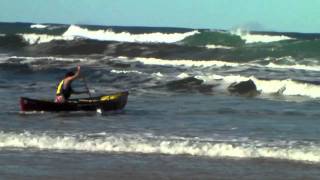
[(173, 136)]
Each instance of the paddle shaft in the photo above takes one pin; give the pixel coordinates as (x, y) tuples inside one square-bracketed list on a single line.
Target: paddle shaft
[(86, 86)]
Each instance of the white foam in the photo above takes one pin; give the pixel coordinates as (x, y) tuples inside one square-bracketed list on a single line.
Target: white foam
[(292, 88), (125, 72), (43, 38), (109, 35), (28, 60), (212, 46), (187, 63), (157, 75), (296, 66), (38, 26), (293, 63), (49, 58), (218, 63), (183, 75), (256, 38), (132, 143)]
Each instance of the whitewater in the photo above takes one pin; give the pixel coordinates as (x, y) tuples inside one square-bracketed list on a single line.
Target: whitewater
[(148, 144)]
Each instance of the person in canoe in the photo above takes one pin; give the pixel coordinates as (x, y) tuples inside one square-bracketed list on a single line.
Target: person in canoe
[(64, 89)]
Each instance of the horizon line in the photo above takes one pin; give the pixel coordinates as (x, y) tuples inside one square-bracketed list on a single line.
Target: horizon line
[(169, 27)]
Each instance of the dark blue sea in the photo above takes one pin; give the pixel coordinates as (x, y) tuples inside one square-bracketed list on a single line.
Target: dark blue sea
[(203, 103)]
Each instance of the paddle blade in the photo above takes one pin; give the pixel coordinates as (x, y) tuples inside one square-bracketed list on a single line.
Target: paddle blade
[(99, 111)]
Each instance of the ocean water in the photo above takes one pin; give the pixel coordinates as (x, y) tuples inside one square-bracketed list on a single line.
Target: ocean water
[(182, 121)]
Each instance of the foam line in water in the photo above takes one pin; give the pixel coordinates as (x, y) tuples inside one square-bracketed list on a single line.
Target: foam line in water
[(130, 143), (296, 66), (27, 60), (212, 46), (125, 72), (187, 63)]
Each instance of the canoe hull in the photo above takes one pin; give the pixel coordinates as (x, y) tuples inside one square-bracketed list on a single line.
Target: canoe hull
[(111, 102)]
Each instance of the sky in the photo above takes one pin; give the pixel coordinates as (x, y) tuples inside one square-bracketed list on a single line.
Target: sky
[(264, 15)]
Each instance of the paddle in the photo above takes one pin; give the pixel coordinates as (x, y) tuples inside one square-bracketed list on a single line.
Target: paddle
[(86, 86)]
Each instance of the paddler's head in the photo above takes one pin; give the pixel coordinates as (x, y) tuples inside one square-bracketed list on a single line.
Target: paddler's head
[(69, 74)]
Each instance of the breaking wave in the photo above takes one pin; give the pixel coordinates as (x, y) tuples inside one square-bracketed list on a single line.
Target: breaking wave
[(43, 38), (259, 38), (157, 43), (109, 35), (149, 144), (74, 32), (194, 38), (287, 87)]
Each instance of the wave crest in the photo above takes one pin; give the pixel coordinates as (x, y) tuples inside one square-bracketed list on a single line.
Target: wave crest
[(129, 143), (258, 38), (109, 35), (43, 38), (74, 32)]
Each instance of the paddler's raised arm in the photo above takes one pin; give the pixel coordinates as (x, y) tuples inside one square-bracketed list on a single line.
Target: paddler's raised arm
[(76, 75)]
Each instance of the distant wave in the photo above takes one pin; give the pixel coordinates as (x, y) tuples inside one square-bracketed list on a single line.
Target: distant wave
[(74, 32), (58, 45), (38, 26), (194, 38), (220, 63), (258, 38), (212, 46), (206, 38), (109, 35), (149, 144), (193, 45), (272, 64)]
